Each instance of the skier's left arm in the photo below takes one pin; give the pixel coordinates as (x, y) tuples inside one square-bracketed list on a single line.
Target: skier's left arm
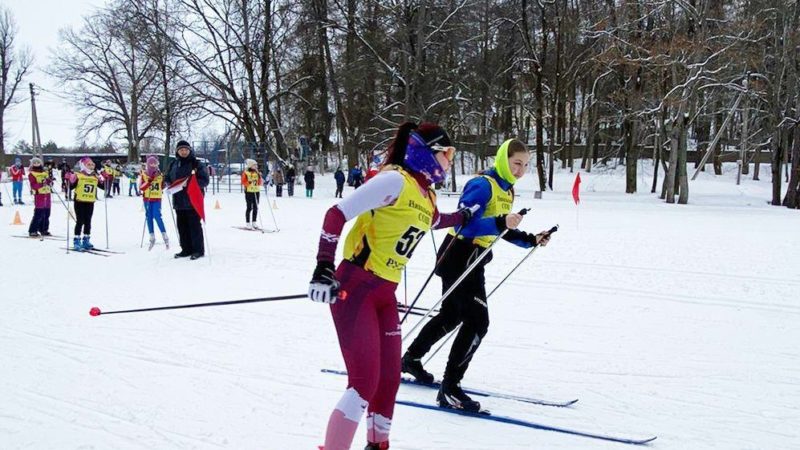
[(527, 240)]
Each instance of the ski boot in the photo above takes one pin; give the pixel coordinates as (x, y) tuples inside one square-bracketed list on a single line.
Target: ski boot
[(152, 242), (377, 446), (46, 233), (87, 245), (76, 244), (166, 240), (33, 235), (452, 396), (250, 226), (414, 368)]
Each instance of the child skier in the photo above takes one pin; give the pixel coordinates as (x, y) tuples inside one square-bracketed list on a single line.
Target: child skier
[(394, 211), (84, 184), (17, 173), (41, 184), (152, 190), (493, 193), (252, 181)]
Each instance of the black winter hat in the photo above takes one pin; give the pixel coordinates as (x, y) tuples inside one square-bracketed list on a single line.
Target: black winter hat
[(433, 134), (183, 144)]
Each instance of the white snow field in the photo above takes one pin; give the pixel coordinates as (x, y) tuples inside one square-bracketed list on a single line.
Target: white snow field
[(676, 321)]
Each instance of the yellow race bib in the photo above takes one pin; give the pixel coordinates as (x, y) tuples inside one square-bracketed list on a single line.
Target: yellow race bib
[(252, 181), (40, 177), (500, 203), (383, 239), (86, 189), (155, 189)]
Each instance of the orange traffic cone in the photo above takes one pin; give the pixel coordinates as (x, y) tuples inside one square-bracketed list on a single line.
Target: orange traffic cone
[(274, 204), (17, 219), (216, 205)]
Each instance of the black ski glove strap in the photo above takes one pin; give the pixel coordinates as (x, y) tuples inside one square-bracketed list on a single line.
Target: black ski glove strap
[(324, 273), (500, 222)]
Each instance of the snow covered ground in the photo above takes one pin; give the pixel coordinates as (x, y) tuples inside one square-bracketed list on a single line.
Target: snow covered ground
[(679, 321)]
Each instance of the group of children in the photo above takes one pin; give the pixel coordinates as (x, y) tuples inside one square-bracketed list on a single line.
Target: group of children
[(81, 187)]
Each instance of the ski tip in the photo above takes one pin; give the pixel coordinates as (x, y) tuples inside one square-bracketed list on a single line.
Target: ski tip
[(95, 311)]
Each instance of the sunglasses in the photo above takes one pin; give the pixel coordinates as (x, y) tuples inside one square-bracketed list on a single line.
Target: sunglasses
[(449, 152)]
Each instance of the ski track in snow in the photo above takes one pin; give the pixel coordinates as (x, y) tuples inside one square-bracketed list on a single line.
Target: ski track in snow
[(667, 320)]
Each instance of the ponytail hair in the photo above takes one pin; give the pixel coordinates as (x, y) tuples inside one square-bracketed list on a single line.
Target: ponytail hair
[(397, 149)]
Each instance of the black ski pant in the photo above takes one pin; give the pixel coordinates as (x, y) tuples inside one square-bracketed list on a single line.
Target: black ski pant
[(190, 231), (290, 188), (466, 305), (41, 221), (339, 189), (83, 218), (279, 190), (252, 205)]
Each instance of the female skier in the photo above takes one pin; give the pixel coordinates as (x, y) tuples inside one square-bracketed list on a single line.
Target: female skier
[(394, 210), (493, 194)]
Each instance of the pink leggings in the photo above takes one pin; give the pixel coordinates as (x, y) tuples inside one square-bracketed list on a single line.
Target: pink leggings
[(369, 335)]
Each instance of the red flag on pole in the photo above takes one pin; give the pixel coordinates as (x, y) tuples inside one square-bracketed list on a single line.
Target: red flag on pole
[(576, 189), (196, 197)]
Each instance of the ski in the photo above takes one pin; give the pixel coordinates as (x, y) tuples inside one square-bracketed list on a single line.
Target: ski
[(93, 252), (52, 238), (254, 229), (484, 414), (102, 250), (421, 309), (478, 392)]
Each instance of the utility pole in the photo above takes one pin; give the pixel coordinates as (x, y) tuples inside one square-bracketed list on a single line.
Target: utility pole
[(36, 141), (743, 166)]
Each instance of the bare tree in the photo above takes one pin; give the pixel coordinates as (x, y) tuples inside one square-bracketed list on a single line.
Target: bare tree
[(13, 67), (111, 79)]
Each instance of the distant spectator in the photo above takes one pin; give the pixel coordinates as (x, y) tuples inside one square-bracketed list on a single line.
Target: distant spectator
[(309, 179), (339, 177), (291, 176), (278, 179)]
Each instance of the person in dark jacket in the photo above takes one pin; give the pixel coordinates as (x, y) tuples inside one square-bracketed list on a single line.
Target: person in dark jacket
[(339, 177), (356, 177), (190, 231), (291, 175), (309, 179)]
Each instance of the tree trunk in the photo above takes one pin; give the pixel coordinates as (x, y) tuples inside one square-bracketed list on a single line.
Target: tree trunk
[(683, 179), (792, 199), (669, 180)]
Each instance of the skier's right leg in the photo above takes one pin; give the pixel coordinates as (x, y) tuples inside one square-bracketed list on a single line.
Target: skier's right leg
[(438, 327), (358, 331)]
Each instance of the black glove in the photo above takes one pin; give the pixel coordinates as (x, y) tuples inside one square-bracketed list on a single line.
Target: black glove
[(467, 212), (539, 239), (324, 286)]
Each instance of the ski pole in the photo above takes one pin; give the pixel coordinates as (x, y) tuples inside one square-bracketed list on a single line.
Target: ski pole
[(95, 311), (69, 213), (455, 331), (105, 204), (64, 204), (141, 244), (430, 275), (266, 195), (464, 275), (258, 206), (439, 261), (172, 213)]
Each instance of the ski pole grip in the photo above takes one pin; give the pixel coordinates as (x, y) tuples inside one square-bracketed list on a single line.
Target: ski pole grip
[(552, 230), (523, 211)]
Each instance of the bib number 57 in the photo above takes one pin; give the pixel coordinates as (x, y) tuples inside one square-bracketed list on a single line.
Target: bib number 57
[(408, 241)]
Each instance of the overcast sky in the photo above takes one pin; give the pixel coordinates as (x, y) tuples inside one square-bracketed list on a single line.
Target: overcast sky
[(38, 22)]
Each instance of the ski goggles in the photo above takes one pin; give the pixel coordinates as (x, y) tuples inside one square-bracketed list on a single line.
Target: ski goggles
[(449, 152)]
